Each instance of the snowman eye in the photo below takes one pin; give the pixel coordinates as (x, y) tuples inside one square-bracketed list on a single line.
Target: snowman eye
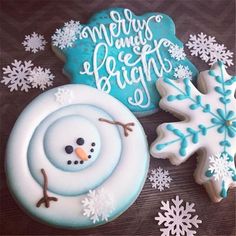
[(80, 141), (69, 149)]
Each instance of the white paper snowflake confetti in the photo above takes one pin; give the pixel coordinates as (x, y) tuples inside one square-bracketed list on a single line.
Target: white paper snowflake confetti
[(182, 72), (177, 218), (160, 178), (73, 25), (34, 42), (209, 50), (98, 205), (17, 76), (64, 96), (66, 36), (41, 78), (177, 52), (220, 166)]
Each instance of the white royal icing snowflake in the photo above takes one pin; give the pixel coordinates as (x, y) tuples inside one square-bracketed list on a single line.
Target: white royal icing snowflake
[(177, 218), (66, 36), (64, 96), (182, 72), (41, 78), (177, 52), (17, 75), (98, 205), (209, 50), (220, 53), (160, 178), (220, 166), (34, 42)]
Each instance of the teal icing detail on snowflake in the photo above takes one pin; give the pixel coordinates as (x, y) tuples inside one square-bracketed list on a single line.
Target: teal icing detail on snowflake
[(217, 120)]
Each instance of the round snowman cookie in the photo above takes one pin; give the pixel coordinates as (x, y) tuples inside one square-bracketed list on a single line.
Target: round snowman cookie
[(76, 157)]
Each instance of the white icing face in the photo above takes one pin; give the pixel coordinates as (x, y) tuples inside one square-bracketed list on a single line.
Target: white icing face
[(72, 143)]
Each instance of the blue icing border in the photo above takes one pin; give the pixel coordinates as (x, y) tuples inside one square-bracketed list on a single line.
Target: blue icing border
[(143, 87)]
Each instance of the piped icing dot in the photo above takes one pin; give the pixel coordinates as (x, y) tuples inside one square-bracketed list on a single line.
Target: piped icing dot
[(76, 162), (91, 150), (228, 122), (80, 141), (69, 162), (89, 156), (69, 149), (93, 144), (81, 162)]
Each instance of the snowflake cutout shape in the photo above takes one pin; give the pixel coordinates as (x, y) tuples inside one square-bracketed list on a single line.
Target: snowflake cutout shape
[(41, 78), (17, 75), (98, 205), (64, 96), (182, 72), (209, 126), (177, 218), (66, 36), (177, 52), (34, 42), (160, 178), (209, 50), (220, 167), (200, 45)]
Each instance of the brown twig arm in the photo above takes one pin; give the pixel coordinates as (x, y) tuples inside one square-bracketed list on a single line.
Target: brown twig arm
[(45, 199), (126, 127)]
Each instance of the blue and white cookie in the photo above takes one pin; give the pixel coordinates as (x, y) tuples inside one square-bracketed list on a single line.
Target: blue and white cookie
[(76, 157), (207, 126), (124, 55)]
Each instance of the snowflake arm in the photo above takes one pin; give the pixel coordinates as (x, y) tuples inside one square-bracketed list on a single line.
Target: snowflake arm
[(209, 125)]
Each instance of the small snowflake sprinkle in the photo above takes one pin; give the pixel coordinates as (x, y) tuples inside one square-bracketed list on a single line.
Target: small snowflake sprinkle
[(182, 72), (209, 50), (177, 218), (160, 178), (73, 25), (17, 75), (34, 42), (41, 78), (98, 205), (177, 52), (64, 96), (220, 166), (66, 36)]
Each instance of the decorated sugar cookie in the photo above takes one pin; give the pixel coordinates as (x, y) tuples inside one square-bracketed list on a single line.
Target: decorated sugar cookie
[(208, 127), (71, 160), (123, 54)]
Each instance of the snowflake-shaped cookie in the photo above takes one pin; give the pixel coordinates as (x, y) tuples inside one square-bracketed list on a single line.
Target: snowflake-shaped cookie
[(177, 52), (64, 96), (17, 75), (98, 205), (182, 72), (160, 178), (41, 78), (209, 127), (177, 219), (66, 36), (34, 42)]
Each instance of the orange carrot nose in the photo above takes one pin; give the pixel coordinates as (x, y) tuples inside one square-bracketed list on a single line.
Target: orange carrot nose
[(81, 154)]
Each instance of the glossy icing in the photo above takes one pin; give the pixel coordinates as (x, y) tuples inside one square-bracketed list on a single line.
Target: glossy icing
[(124, 54), (50, 133), (209, 127)]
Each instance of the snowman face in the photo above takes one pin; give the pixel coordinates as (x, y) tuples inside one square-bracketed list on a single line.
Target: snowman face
[(72, 143)]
